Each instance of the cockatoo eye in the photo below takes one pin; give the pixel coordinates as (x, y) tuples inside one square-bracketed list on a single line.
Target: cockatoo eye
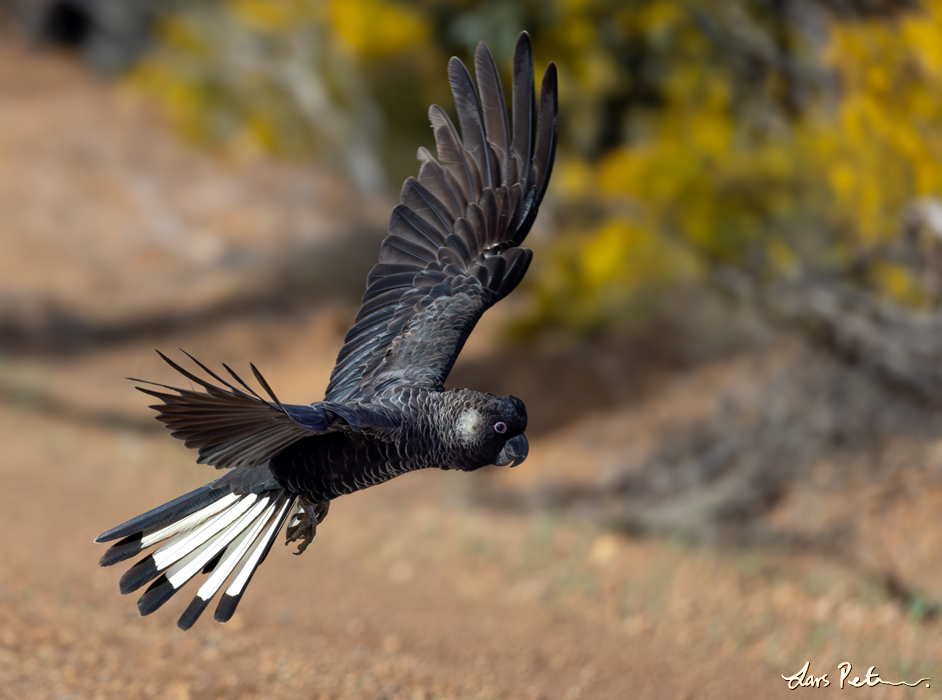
[(500, 427)]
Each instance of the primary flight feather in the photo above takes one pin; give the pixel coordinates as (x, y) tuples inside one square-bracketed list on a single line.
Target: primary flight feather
[(452, 252)]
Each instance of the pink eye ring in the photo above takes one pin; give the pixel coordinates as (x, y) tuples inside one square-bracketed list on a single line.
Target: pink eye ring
[(500, 427)]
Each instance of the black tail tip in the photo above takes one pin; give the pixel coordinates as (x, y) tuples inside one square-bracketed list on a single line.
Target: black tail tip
[(192, 613), (159, 592), (142, 572), (227, 607)]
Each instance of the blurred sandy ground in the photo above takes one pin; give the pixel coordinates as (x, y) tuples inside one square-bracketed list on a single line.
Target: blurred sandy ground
[(115, 240)]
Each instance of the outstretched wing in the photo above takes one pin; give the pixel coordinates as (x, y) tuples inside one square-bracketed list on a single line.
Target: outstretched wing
[(452, 250), (235, 427)]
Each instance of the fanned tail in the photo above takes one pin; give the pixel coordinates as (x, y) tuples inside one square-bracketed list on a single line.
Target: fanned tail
[(210, 530)]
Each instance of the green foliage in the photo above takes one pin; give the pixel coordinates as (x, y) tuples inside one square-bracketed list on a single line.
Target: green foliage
[(696, 134)]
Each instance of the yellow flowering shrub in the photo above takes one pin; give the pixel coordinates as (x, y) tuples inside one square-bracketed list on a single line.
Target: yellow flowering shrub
[(705, 178), (695, 134), (375, 28)]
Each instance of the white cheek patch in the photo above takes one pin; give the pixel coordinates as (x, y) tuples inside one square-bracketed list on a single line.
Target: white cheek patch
[(468, 424)]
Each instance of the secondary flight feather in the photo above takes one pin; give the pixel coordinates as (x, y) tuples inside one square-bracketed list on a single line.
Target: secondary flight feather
[(453, 251)]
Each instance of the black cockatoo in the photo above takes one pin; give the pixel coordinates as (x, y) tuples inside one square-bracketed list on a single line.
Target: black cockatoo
[(451, 253)]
